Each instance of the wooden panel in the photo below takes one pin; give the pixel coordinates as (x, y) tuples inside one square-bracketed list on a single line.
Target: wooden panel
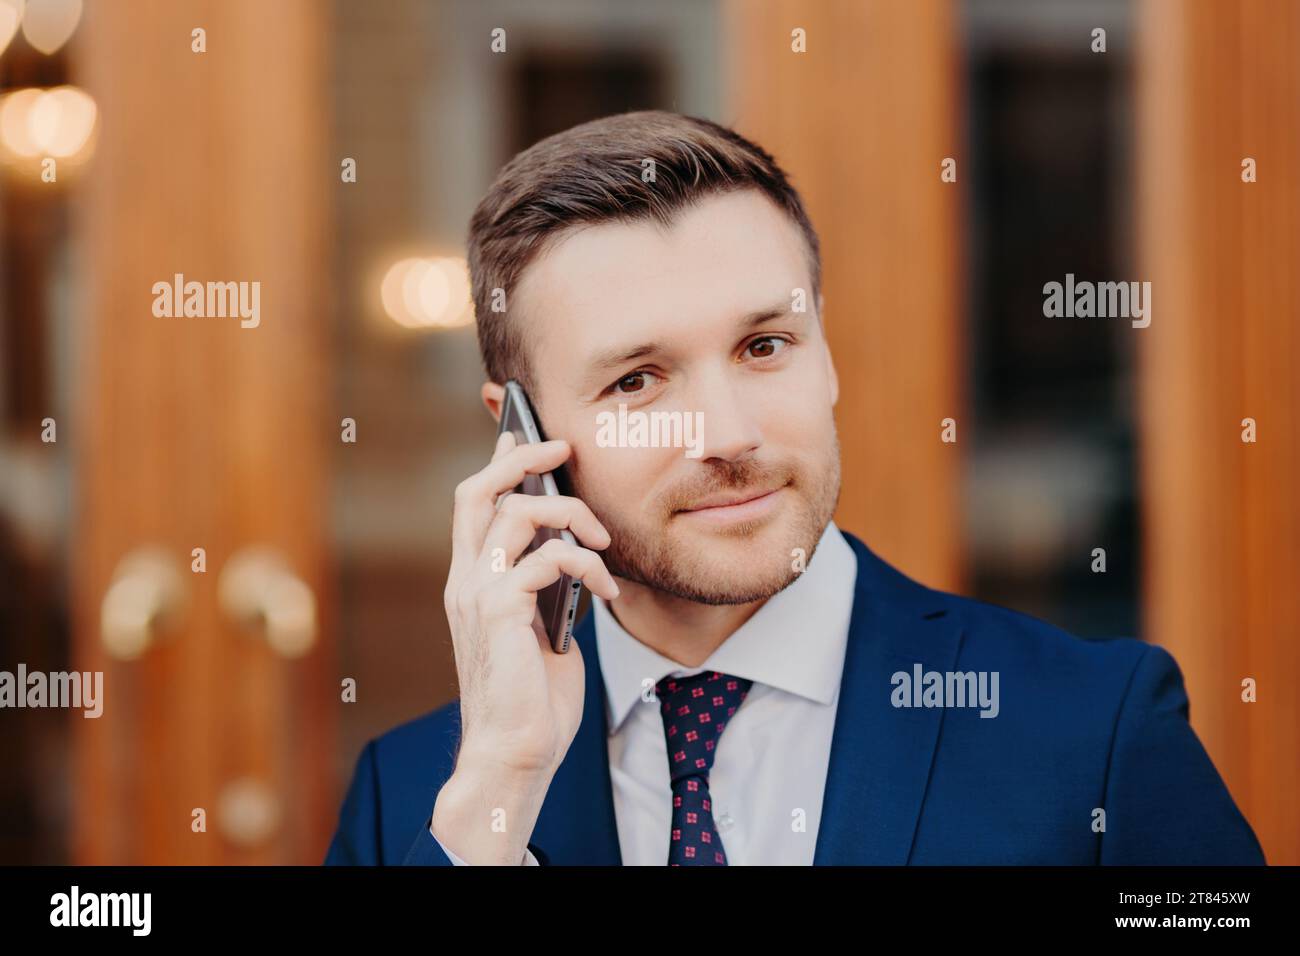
[(195, 432), (1217, 83), (862, 121)]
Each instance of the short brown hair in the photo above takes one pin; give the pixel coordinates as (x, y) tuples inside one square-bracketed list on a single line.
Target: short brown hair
[(591, 174)]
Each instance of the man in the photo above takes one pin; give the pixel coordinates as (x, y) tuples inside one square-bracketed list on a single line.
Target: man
[(752, 685)]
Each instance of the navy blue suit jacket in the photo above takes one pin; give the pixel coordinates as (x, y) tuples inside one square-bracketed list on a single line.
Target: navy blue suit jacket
[(1082, 725)]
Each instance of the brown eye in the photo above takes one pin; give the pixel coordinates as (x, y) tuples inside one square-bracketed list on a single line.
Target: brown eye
[(763, 348), (636, 378)]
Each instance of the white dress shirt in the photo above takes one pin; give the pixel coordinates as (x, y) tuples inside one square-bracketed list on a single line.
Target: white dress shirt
[(769, 771)]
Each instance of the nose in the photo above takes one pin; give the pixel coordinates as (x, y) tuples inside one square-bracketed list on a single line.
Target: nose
[(729, 417)]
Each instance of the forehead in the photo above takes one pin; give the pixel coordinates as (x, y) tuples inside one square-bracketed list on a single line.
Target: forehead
[(599, 287)]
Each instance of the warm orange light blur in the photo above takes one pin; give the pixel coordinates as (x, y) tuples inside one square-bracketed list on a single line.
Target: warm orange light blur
[(56, 123), (425, 293), (15, 129)]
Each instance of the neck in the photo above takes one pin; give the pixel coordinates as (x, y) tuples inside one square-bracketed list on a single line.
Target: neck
[(683, 631)]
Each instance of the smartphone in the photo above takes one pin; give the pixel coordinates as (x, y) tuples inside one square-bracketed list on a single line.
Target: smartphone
[(557, 602)]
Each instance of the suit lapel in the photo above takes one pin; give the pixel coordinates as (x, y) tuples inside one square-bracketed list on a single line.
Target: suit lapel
[(881, 755), (576, 824)]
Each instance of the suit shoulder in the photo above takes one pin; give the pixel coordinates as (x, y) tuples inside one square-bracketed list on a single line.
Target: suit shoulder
[(988, 628), (436, 732), (999, 638), (995, 629), (1067, 693), (393, 786), (411, 762)]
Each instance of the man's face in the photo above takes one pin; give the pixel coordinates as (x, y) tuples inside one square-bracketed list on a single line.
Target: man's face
[(697, 318)]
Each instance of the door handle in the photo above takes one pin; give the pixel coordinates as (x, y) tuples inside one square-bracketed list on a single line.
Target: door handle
[(259, 590), (146, 591)]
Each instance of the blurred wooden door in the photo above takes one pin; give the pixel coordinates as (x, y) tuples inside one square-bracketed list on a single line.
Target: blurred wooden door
[(197, 432), (1219, 86)]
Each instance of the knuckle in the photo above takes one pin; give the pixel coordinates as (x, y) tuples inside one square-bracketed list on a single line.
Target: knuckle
[(554, 548)]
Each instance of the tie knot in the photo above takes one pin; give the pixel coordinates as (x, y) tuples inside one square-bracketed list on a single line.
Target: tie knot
[(695, 711)]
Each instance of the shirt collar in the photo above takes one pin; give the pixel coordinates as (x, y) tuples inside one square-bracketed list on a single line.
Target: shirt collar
[(794, 642)]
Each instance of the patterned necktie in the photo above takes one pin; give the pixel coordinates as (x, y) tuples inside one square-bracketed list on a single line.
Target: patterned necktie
[(695, 710)]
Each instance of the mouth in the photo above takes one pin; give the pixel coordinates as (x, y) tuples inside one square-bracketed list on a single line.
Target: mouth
[(735, 506)]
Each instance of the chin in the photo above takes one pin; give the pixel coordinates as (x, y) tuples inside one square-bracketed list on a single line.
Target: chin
[(741, 562), (737, 582)]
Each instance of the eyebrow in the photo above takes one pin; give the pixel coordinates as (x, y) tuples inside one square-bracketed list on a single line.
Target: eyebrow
[(613, 358)]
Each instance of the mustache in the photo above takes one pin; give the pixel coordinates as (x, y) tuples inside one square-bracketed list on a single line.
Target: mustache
[(722, 476)]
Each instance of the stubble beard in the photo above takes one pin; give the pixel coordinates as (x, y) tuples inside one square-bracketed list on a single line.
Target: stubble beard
[(656, 558)]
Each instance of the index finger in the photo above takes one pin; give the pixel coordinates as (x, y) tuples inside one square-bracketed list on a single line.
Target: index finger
[(476, 495), (505, 442)]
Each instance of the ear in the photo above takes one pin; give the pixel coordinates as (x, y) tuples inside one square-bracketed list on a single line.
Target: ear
[(493, 395)]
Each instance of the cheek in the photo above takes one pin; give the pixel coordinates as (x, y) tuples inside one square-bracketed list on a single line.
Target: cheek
[(816, 376), (806, 436), (623, 481), (798, 411)]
